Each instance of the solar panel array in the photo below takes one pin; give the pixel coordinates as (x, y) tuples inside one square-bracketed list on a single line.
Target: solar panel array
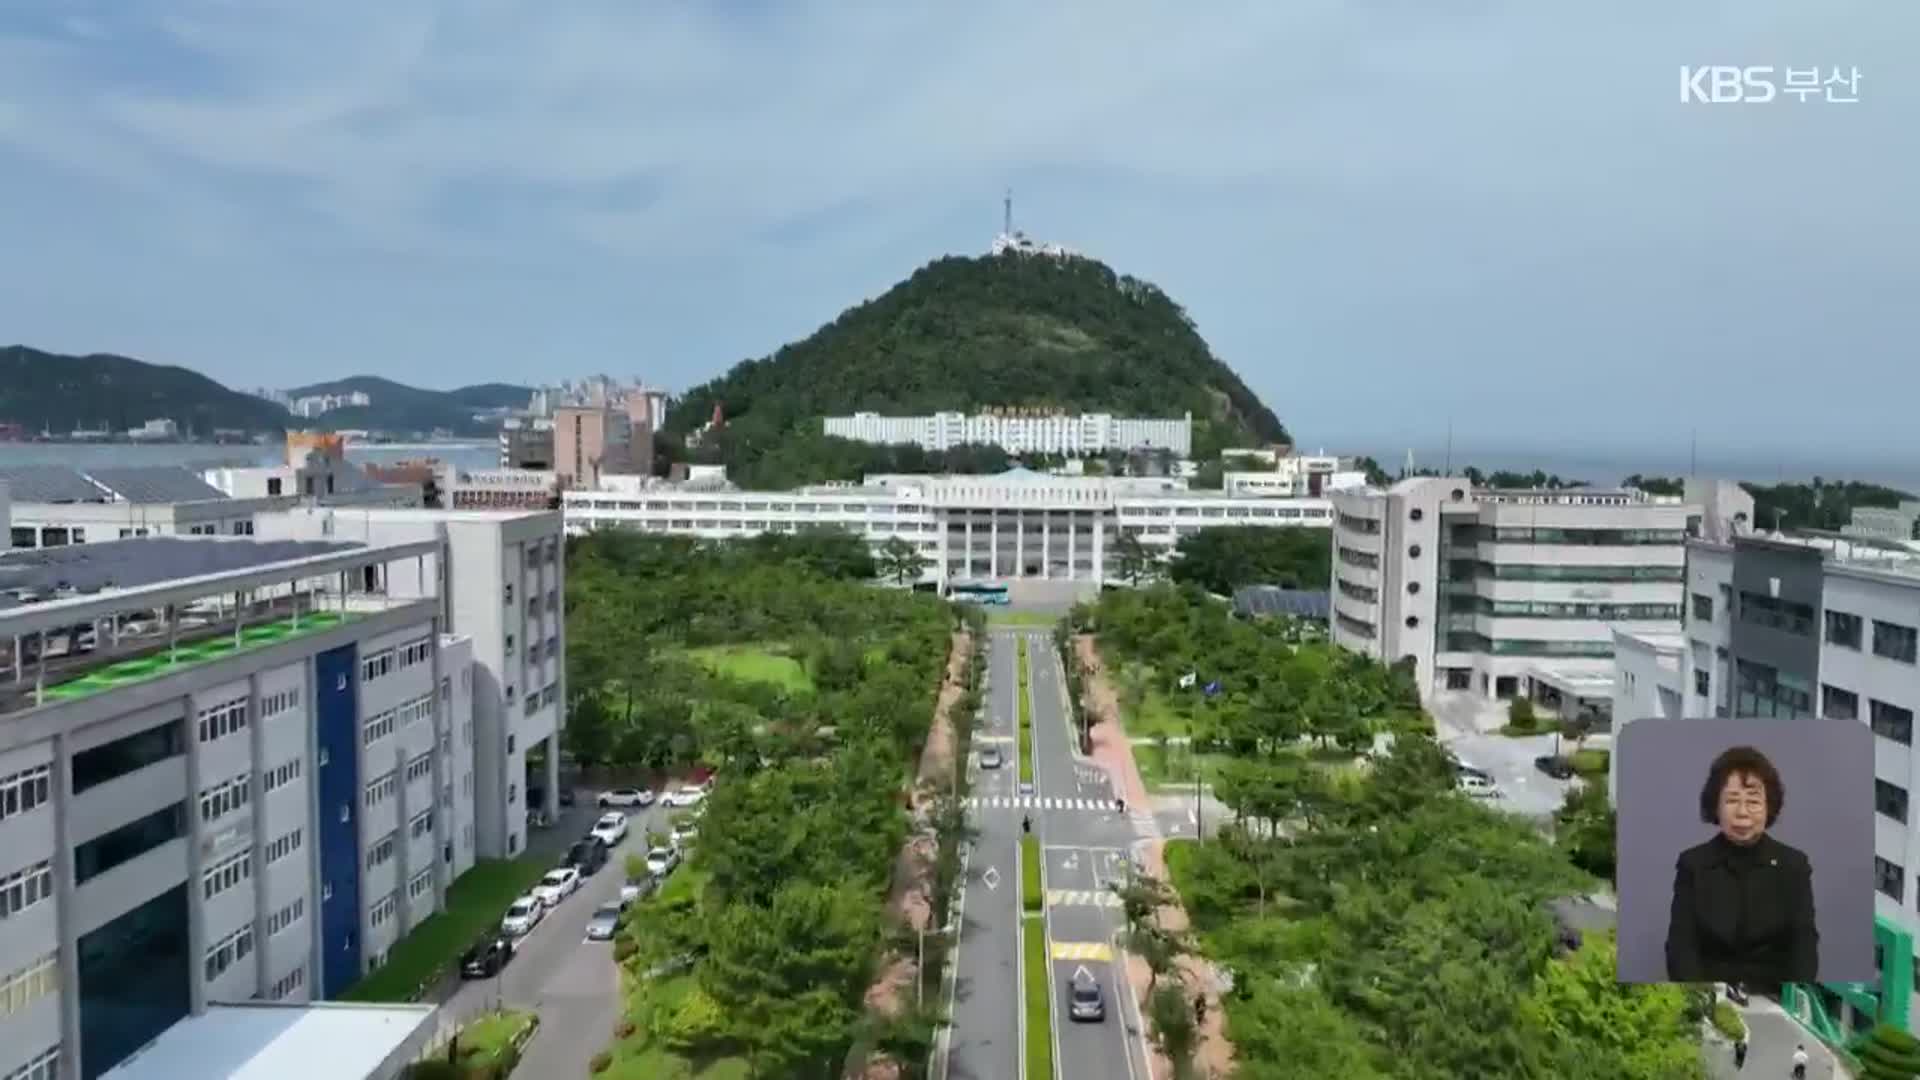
[(145, 484), (49, 484), (126, 564), (1258, 600)]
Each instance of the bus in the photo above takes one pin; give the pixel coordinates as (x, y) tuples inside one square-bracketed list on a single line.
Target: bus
[(979, 594)]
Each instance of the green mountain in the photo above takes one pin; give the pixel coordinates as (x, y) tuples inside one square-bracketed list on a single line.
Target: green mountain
[(399, 408), (970, 334), (58, 393)]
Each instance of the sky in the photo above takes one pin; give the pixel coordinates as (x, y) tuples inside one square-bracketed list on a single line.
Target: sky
[(1395, 219)]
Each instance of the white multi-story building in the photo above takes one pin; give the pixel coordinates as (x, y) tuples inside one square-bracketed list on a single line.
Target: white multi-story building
[(1505, 592), (1017, 524), (230, 769), (1815, 628), (500, 584), (1019, 433), (1292, 476)]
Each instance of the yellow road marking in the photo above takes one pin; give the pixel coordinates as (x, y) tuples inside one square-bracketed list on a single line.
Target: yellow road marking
[(1082, 950)]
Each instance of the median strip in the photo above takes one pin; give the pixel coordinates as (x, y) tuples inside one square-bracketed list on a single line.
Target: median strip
[(1026, 719), (1034, 965)]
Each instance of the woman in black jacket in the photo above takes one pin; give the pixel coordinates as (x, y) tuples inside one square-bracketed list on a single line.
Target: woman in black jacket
[(1742, 901)]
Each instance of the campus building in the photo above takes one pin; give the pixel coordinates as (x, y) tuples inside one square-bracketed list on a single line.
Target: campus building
[(1019, 432), (1016, 524), (497, 580), (1504, 593), (231, 770), (1813, 627)]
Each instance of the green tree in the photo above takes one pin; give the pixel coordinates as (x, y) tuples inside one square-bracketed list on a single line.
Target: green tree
[(1584, 829), (1520, 714), (901, 562), (1133, 560), (1224, 558), (1174, 1031), (1640, 1032)]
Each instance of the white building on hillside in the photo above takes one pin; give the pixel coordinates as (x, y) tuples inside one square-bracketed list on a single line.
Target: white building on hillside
[(1020, 432), (1506, 592), (1017, 524)]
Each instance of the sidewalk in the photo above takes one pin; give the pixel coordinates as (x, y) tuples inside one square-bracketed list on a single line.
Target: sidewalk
[(1771, 1037)]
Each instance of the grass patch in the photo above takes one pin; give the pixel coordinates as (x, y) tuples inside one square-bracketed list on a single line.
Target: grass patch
[(1025, 708), (475, 903), (1032, 895), (490, 1038), (1156, 716), (643, 1056), (1039, 1001), (755, 663), (1174, 766), (1523, 731), (1591, 762), (1022, 618)]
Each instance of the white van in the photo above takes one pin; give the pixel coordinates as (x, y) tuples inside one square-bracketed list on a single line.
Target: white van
[(1479, 787)]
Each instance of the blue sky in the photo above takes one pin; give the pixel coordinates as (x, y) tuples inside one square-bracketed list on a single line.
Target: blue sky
[(1389, 217)]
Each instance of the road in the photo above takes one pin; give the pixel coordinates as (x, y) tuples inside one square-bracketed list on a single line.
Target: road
[(984, 1043), (1087, 844), (572, 983)]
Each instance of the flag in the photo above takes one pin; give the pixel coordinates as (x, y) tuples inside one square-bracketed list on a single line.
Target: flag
[(1188, 680), (1213, 688)]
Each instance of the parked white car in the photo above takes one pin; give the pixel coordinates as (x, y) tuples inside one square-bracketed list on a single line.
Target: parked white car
[(522, 916), (662, 860), (685, 796), (638, 798), (559, 884), (683, 834), (1480, 787), (610, 829)]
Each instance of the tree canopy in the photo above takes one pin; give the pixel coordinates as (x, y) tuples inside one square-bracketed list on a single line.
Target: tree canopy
[(970, 334), (1223, 558)]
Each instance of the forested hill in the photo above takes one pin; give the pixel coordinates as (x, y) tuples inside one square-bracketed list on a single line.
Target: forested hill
[(969, 334), (59, 393)]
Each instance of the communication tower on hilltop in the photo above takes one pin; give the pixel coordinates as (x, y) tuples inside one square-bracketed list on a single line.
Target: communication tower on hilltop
[(1012, 240)]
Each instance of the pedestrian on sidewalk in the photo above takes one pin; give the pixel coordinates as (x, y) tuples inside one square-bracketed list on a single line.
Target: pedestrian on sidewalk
[(1800, 1062), (1740, 1053)]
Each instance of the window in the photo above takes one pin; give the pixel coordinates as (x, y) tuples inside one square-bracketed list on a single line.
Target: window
[(421, 825), (513, 793), (225, 797), (1843, 629), (25, 790), (1891, 800), (380, 789), (1702, 608), (226, 718), (279, 701), (226, 874), (510, 742), (1889, 878), (1701, 680), (44, 1065), (292, 983), (420, 768), (509, 693), (113, 760), (1838, 704), (280, 775), (1761, 690), (1893, 641), (1791, 616), (1892, 722), (1413, 621), (129, 841), (381, 852), (446, 688), (23, 889), (29, 984), (419, 708), (532, 704), (282, 846), (379, 726), (509, 644), (420, 885), (382, 913), (287, 916), (1413, 551), (509, 593), (416, 652), (376, 665), (273, 485), (228, 951)]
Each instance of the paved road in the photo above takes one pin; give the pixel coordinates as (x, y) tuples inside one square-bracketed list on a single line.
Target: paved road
[(985, 1040), (569, 981), (1087, 844)]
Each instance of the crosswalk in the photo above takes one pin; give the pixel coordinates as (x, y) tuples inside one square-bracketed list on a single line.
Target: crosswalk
[(1083, 950), (1082, 898), (1037, 802)]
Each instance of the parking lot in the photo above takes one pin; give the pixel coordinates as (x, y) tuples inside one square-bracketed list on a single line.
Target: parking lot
[(1524, 789)]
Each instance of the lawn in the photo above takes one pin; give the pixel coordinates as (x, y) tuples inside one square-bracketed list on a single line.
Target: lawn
[(1591, 762), (488, 1039), (1026, 720), (1031, 894), (1039, 1003), (755, 663), (1174, 766), (640, 1056), (1022, 618), (475, 903)]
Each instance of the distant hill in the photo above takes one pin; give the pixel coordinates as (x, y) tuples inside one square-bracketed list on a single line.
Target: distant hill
[(970, 334), (59, 393), (398, 407)]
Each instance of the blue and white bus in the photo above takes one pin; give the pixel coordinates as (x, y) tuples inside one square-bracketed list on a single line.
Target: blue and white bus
[(979, 594)]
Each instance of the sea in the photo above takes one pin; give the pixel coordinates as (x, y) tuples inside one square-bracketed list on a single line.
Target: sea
[(465, 454)]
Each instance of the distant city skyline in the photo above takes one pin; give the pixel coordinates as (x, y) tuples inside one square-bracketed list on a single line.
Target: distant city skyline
[(1499, 217)]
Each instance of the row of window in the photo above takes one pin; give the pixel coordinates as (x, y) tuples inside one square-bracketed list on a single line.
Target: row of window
[(421, 884), (110, 761), (1365, 560), (1357, 592), (1536, 609), (1465, 641), (380, 789), (23, 889), (383, 909), (1504, 534), (293, 982), (1761, 690), (226, 718), (287, 916), (379, 726), (377, 665), (1352, 625), (24, 790), (29, 984), (422, 824), (416, 652), (419, 708), (282, 846), (381, 851), (225, 797), (279, 701), (226, 874), (420, 767), (44, 1065), (1556, 572), (1351, 523), (281, 775), (128, 842), (228, 951)]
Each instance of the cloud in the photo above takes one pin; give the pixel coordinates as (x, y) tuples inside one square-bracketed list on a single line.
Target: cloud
[(1426, 194)]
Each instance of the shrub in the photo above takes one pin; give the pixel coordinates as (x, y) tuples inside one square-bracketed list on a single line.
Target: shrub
[(623, 947), (1520, 714), (1726, 1019), (1889, 1054), (699, 1020), (600, 1063), (636, 867), (623, 1030)]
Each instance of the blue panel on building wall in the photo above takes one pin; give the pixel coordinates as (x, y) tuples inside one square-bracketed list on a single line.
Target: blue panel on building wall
[(337, 719)]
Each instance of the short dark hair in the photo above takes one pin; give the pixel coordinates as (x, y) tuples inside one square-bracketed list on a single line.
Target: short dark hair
[(1741, 760)]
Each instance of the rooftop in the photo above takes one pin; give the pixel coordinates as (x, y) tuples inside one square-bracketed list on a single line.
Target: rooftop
[(1255, 600), (35, 574), (1657, 640), (138, 484), (262, 1041)]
